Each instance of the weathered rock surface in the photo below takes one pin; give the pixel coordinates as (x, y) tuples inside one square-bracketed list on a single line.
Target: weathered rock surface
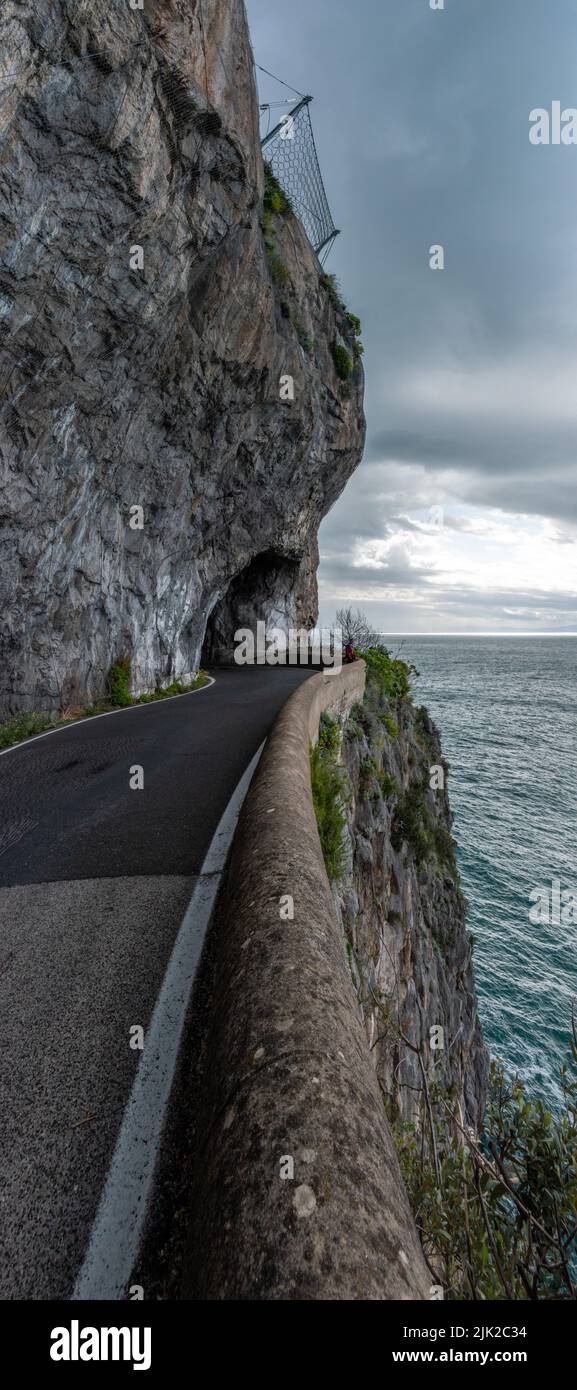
[(296, 1190), (404, 918), (157, 387)]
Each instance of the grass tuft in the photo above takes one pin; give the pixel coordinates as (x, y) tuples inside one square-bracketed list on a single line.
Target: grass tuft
[(343, 362), (22, 726), (327, 789), (118, 683)]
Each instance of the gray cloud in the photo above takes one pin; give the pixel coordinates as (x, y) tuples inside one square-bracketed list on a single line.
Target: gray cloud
[(422, 127), (389, 576)]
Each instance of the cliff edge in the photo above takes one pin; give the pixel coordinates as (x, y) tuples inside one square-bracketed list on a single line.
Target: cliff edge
[(156, 489), (403, 914)]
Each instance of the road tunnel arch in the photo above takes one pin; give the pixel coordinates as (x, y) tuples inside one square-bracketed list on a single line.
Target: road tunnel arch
[(263, 591)]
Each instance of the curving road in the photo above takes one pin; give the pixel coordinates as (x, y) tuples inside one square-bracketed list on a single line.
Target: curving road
[(95, 879)]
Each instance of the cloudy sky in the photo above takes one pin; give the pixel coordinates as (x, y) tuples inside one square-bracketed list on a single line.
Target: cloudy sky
[(463, 515)]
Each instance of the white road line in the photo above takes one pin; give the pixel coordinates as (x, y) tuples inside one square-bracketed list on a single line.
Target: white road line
[(117, 1229), (61, 728)]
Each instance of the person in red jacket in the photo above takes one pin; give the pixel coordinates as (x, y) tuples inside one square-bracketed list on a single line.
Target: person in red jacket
[(350, 653)]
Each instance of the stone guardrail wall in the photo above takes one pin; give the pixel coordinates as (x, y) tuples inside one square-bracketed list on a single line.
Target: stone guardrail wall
[(297, 1191)]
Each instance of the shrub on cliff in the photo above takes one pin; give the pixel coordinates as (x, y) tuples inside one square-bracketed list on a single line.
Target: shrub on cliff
[(329, 733), (424, 727), (119, 683), (425, 836), (353, 323), (496, 1217), (279, 270), (343, 362), (445, 847), (333, 289), (275, 198), (410, 825), (355, 326), (304, 338), (393, 675), (327, 789), (388, 784)]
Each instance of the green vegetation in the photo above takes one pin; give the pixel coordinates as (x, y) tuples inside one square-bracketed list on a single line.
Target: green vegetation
[(267, 228), (353, 728), (331, 285), (388, 785), (175, 688), (414, 826), (388, 705), (424, 728), (279, 271), (118, 683), (275, 199), (327, 782), (275, 202), (343, 361), (393, 676), (497, 1218), (355, 325), (444, 846), (166, 692), (304, 338), (410, 825), (289, 313), (361, 723), (22, 726), (367, 776), (333, 289), (368, 768), (329, 733)]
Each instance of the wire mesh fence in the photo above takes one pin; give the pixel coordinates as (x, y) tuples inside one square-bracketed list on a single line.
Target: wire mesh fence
[(292, 154)]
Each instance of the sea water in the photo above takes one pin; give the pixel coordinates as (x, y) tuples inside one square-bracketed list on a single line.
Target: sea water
[(507, 713)]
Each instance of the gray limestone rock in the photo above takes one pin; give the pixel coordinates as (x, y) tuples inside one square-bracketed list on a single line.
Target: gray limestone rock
[(407, 945), (153, 387)]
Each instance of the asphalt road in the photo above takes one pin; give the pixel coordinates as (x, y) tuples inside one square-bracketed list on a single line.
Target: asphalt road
[(94, 881)]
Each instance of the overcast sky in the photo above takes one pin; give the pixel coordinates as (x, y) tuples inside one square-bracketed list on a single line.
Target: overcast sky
[(463, 515)]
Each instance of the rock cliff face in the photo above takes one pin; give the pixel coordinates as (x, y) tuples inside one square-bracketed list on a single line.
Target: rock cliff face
[(403, 916), (144, 329)]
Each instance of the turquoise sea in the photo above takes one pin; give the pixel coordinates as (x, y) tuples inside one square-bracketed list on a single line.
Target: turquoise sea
[(507, 713)]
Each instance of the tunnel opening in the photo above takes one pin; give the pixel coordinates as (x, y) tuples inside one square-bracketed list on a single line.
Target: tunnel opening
[(264, 591)]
